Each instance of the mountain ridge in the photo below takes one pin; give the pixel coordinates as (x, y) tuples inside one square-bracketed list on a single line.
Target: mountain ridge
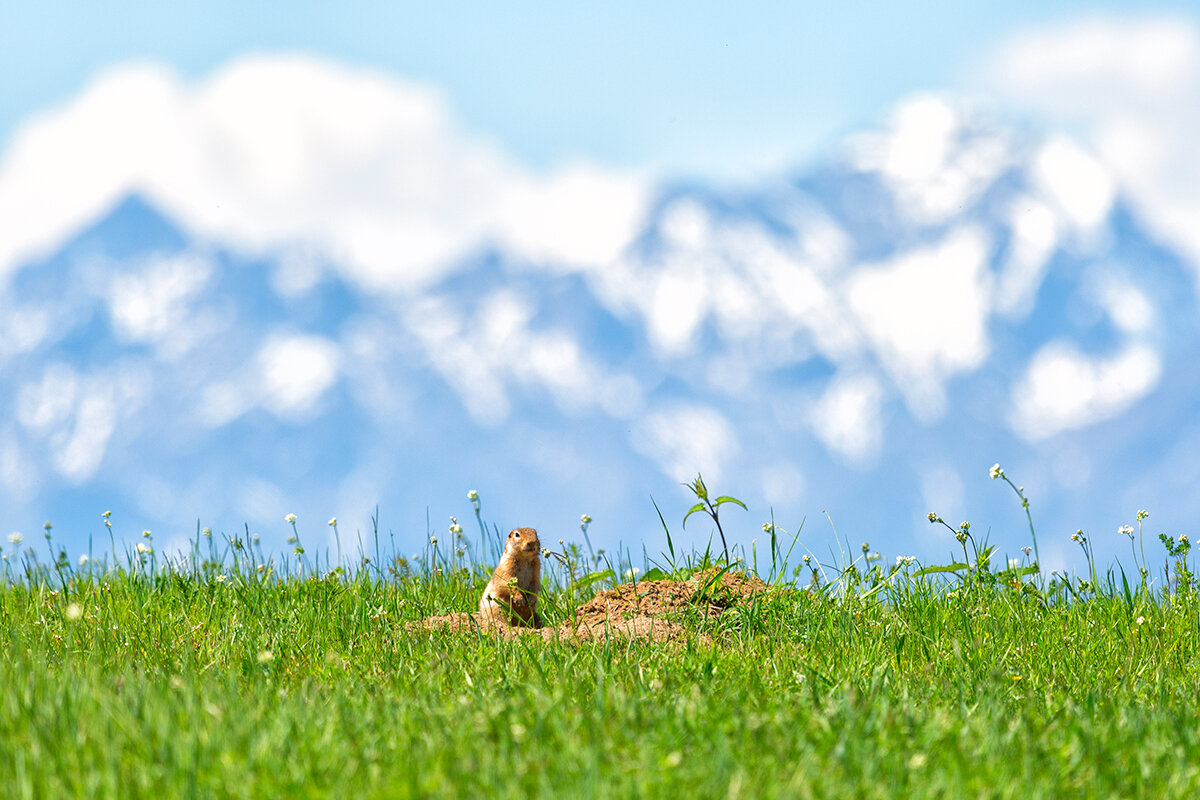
[(740, 335)]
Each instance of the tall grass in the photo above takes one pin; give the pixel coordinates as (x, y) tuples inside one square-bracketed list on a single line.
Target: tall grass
[(227, 673)]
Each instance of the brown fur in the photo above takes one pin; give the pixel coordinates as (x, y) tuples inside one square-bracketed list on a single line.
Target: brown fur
[(511, 595)]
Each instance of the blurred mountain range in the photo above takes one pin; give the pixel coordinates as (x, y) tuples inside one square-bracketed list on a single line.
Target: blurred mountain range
[(862, 339)]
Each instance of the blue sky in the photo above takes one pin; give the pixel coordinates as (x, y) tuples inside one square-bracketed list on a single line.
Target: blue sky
[(257, 259), (694, 88)]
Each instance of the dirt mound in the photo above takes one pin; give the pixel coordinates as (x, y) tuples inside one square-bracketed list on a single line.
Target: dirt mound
[(656, 598), (629, 611)]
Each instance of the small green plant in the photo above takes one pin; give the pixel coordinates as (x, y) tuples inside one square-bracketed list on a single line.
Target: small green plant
[(998, 472), (963, 536), (1178, 549), (1127, 530), (710, 507), (1081, 538)]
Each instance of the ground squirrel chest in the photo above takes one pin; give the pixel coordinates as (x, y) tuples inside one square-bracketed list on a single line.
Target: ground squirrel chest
[(511, 595)]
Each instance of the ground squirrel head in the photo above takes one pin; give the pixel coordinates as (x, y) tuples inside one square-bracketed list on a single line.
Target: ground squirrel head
[(522, 540)]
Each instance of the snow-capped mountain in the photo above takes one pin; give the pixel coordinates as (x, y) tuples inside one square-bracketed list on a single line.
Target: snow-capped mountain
[(865, 337)]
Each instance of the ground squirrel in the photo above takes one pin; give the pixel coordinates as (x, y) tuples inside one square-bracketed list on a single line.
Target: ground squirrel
[(511, 595)]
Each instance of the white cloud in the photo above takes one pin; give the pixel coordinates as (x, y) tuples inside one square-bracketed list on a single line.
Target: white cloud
[(925, 312), (823, 243), (578, 216), (495, 348), (1126, 305), (847, 418), (71, 417), (79, 456), (41, 406), (678, 304), (294, 372), (287, 375), (920, 140), (686, 439), (1063, 389), (1035, 234), (685, 224), (1081, 187), (151, 306), (764, 293), (22, 328), (1130, 87), (1101, 60), (270, 154), (933, 157)]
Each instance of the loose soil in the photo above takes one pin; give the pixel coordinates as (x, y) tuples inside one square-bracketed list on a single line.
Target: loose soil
[(630, 611)]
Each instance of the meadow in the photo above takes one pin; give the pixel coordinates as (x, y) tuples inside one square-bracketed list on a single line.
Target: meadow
[(225, 673)]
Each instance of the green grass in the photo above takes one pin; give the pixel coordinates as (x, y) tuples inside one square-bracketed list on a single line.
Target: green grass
[(135, 682)]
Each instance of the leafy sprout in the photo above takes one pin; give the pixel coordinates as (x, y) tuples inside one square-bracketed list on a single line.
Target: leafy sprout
[(710, 507)]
